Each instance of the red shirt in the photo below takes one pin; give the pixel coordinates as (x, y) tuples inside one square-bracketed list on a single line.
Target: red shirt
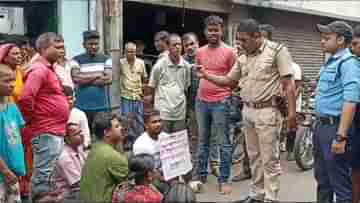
[(142, 194), (216, 61), (42, 101)]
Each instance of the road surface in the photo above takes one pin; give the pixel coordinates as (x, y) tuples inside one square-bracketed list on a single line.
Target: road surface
[(296, 185)]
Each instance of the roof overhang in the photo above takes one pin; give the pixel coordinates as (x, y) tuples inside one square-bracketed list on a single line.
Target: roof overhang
[(203, 5), (14, 1), (291, 6)]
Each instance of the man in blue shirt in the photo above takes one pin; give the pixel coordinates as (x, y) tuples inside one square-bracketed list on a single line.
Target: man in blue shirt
[(337, 93), (92, 75), (355, 142)]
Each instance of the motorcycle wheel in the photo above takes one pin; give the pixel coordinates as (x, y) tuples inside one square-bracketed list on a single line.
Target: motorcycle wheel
[(303, 148)]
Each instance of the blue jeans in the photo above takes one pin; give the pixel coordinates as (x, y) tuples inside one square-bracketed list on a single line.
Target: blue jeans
[(46, 150), (214, 148), (136, 108), (332, 171), (212, 114)]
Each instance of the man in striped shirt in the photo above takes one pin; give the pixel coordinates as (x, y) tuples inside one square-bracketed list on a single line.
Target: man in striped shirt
[(92, 74)]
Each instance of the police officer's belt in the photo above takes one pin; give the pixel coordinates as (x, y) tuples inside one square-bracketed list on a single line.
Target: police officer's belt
[(259, 105), (331, 120)]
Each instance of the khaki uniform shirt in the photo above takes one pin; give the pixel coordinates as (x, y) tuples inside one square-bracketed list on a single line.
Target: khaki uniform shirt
[(131, 79), (260, 74), (241, 61)]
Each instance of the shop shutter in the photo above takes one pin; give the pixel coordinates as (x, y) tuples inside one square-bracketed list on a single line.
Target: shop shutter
[(298, 33), (304, 47)]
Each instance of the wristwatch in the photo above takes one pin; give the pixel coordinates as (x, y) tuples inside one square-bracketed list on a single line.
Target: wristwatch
[(341, 138)]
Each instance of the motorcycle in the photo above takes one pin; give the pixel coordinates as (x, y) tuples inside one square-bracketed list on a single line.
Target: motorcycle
[(303, 148)]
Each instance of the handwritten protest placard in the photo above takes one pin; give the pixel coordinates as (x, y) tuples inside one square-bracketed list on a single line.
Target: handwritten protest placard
[(175, 154)]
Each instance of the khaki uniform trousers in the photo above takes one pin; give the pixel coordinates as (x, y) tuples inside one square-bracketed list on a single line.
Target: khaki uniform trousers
[(262, 136)]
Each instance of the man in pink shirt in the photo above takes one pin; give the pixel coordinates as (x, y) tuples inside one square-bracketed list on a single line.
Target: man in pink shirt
[(46, 112), (217, 58), (66, 178)]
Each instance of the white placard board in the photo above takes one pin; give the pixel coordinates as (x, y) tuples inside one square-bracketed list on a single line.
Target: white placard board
[(175, 154)]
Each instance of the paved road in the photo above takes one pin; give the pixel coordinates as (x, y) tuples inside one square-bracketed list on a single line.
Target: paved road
[(296, 185)]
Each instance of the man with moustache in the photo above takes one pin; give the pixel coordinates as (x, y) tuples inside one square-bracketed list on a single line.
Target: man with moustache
[(170, 80), (266, 70)]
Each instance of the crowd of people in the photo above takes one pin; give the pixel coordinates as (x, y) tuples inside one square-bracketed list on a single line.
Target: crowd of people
[(60, 138)]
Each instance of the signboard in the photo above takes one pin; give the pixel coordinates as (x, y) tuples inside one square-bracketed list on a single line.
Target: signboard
[(175, 154)]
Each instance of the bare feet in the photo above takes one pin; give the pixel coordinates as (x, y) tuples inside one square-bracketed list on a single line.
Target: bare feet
[(225, 188), (215, 170), (196, 186)]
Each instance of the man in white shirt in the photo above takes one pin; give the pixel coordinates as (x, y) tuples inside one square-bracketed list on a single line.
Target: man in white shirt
[(148, 142), (290, 140), (78, 117), (298, 84)]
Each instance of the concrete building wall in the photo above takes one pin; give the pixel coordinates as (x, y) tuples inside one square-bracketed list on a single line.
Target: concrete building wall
[(348, 8), (336, 9), (237, 13), (206, 5), (73, 21)]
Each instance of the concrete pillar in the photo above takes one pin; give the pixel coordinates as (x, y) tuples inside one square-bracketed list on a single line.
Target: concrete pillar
[(113, 43)]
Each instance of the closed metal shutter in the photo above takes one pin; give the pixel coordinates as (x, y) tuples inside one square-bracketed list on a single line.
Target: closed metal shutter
[(298, 33), (304, 48)]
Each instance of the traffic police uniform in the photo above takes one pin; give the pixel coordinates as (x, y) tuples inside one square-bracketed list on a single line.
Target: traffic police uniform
[(339, 83)]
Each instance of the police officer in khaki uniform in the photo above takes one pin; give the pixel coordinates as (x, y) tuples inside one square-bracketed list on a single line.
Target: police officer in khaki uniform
[(266, 70), (240, 155)]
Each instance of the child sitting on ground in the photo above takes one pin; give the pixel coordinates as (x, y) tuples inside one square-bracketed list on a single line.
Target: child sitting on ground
[(142, 169)]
